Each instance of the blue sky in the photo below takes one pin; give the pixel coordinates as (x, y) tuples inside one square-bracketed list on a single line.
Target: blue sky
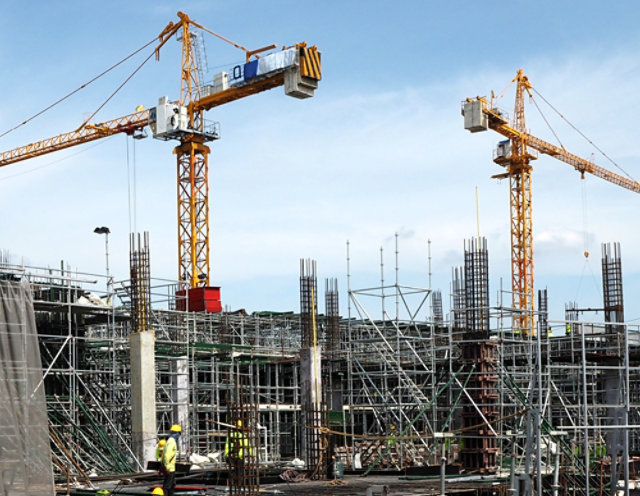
[(379, 150)]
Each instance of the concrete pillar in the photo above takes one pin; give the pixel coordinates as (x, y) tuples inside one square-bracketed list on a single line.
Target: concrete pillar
[(180, 393), (310, 377), (311, 399), (143, 396)]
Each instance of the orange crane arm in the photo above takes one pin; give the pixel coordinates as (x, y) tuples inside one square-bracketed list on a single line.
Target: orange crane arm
[(310, 70), (127, 124), (236, 93), (500, 125)]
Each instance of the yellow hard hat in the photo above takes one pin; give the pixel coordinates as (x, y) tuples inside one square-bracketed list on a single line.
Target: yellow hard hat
[(393, 427), (239, 423), (162, 442), (158, 491), (175, 428)]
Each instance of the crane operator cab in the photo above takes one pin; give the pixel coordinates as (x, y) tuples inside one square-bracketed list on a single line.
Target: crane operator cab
[(169, 120)]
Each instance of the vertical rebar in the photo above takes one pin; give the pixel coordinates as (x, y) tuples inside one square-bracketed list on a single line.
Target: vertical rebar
[(476, 275), (314, 443), (612, 283), (242, 446), (140, 282), (479, 355), (333, 314), (458, 290)]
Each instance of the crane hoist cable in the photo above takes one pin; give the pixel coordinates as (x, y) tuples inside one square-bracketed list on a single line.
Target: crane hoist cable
[(594, 279), (584, 136), (127, 79), (585, 219), (544, 118), (495, 99), (60, 100), (585, 234)]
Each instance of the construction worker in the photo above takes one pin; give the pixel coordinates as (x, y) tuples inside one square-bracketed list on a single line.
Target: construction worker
[(237, 447), (567, 330), (159, 449), (169, 455), (157, 491), (392, 437)]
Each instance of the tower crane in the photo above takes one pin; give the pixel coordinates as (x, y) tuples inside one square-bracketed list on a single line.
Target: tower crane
[(513, 154), (297, 68)]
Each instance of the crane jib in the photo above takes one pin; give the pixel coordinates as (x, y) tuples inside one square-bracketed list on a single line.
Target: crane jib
[(498, 124)]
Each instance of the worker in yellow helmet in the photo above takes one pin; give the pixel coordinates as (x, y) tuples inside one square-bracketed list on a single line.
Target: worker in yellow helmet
[(237, 446), (391, 440), (169, 455), (160, 448)]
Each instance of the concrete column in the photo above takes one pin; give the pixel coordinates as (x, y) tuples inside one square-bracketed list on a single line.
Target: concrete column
[(180, 393), (143, 396), (310, 377), (311, 395)]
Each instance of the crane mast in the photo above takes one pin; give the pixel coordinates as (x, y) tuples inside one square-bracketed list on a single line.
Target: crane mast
[(517, 162), (480, 115), (192, 175)]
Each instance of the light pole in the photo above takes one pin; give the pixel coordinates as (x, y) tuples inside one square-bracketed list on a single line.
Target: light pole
[(105, 230)]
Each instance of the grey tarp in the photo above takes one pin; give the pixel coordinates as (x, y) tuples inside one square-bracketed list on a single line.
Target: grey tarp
[(25, 454)]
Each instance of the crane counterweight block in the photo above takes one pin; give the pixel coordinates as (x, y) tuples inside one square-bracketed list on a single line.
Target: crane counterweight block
[(301, 79), (310, 64), (475, 118)]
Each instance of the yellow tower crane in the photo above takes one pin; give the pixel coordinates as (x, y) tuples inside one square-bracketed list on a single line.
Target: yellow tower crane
[(480, 115), (297, 68)]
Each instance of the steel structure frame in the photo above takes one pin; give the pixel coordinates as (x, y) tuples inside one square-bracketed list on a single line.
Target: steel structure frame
[(398, 370)]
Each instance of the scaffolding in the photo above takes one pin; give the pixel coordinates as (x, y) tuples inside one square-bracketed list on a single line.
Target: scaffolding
[(555, 412)]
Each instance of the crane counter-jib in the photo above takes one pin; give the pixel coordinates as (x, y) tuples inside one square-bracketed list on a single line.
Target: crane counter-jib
[(297, 68)]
